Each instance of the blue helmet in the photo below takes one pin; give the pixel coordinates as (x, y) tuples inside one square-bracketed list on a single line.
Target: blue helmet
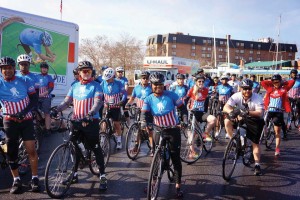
[(104, 67)]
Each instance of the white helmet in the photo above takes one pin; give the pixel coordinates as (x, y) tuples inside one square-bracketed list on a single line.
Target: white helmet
[(23, 58), (224, 76), (118, 69), (108, 74)]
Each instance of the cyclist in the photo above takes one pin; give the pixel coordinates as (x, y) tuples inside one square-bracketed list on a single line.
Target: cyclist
[(180, 89), (86, 98), (99, 79), (256, 85), (248, 105), (18, 98), (46, 85), (276, 96), (139, 93), (294, 92), (24, 65), (76, 76), (115, 94), (191, 82), (234, 83), (161, 104), (212, 91), (199, 101)]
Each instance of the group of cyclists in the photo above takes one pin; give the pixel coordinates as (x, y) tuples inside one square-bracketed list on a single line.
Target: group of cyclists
[(159, 105)]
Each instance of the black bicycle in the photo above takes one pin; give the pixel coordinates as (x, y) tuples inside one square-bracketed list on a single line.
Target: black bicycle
[(293, 116), (238, 146), (161, 163), (60, 167)]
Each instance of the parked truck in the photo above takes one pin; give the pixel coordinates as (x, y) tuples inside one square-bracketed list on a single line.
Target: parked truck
[(62, 49), (169, 66)]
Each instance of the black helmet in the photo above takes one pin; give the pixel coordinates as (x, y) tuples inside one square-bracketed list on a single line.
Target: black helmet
[(180, 76), (145, 73), (157, 78), (199, 71), (85, 65), (246, 83), (294, 71), (199, 77), (75, 71), (5, 61), (276, 77), (44, 65)]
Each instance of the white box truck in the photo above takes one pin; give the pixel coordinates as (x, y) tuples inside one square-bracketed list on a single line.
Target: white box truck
[(15, 27)]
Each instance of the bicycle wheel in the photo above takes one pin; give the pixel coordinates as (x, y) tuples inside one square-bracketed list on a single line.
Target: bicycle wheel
[(133, 144), (248, 158), (57, 121), (23, 161), (297, 120), (105, 146), (93, 164), (270, 135), (191, 146), (39, 137), (208, 144), (155, 176), (60, 170), (230, 159), (104, 126), (171, 172)]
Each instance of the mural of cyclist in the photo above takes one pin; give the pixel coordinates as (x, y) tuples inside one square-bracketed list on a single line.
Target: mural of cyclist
[(35, 39)]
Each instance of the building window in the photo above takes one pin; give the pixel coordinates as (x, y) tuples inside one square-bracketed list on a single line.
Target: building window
[(204, 41), (290, 54), (237, 44), (203, 48), (242, 44), (220, 56), (203, 55), (173, 53), (251, 52), (258, 59), (174, 38), (193, 47), (259, 46), (237, 51), (242, 51), (220, 49), (258, 53), (193, 54), (208, 55), (209, 41), (221, 42), (209, 49), (250, 58), (291, 48), (173, 46), (236, 57), (251, 45), (194, 40)]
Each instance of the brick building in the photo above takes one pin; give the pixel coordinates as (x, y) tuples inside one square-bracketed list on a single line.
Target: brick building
[(202, 48)]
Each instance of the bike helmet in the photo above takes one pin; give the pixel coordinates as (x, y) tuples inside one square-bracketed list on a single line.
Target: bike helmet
[(224, 76), (145, 73), (180, 76), (276, 77), (199, 77), (294, 71), (157, 78), (199, 71), (7, 61), (104, 67), (85, 65), (93, 73), (214, 76), (119, 69), (75, 71), (47, 38), (246, 83), (44, 65), (23, 58), (108, 74)]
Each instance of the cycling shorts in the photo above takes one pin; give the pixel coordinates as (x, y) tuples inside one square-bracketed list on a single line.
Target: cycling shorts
[(254, 128), (45, 105), (114, 114), (201, 116), (14, 130), (277, 118)]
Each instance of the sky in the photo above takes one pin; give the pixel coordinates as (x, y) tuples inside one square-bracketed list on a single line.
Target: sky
[(243, 20)]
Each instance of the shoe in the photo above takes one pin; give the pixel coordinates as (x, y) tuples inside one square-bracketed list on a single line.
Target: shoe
[(284, 136), (103, 183), (277, 152), (193, 155), (257, 170), (207, 138), (73, 181), (35, 185), (119, 145), (217, 134), (179, 193), (16, 187), (227, 136)]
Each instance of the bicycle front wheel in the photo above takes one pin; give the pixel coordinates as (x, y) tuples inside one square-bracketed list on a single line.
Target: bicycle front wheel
[(155, 176), (248, 158), (191, 146), (57, 121), (270, 136), (60, 170), (105, 146), (297, 120), (133, 142), (230, 159)]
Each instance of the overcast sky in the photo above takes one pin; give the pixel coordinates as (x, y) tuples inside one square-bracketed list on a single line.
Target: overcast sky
[(244, 20)]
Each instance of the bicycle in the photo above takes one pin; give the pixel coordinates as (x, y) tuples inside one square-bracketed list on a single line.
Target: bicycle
[(238, 146), (220, 119), (161, 163), (60, 167), (192, 141), (268, 133), (135, 136), (293, 116)]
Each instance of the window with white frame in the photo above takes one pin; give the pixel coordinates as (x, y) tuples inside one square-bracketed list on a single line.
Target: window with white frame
[(173, 46), (173, 53), (203, 48), (193, 54), (193, 47)]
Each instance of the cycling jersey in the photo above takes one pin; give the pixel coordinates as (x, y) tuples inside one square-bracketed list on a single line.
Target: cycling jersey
[(255, 87), (162, 108), (99, 79), (33, 38), (123, 80), (234, 85), (294, 92), (198, 102), (213, 89), (113, 92), (31, 77), (254, 103), (224, 91), (46, 83), (14, 95), (181, 91), (83, 95), (140, 92)]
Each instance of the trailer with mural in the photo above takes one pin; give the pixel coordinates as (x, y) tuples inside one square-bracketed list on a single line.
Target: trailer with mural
[(44, 39)]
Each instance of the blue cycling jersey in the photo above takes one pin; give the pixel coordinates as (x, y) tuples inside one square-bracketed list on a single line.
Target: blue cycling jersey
[(30, 77), (113, 92), (99, 79), (45, 83), (295, 90), (140, 93), (123, 80), (224, 92), (181, 91), (256, 87)]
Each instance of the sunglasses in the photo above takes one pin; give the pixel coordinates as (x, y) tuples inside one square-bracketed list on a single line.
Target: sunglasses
[(120, 72), (200, 81), (24, 63), (247, 89), (158, 84), (86, 71), (145, 78), (276, 82)]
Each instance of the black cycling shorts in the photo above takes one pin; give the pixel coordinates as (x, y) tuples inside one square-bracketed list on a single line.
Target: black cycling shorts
[(254, 128), (15, 130), (277, 118), (201, 116), (114, 114)]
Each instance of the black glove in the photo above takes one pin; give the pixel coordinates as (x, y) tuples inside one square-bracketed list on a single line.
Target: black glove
[(244, 113), (53, 113), (88, 118), (232, 115), (20, 115)]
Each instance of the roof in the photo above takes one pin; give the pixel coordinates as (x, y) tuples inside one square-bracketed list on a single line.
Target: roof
[(268, 63)]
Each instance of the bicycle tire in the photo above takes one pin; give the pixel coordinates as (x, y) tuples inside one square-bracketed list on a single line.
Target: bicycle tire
[(105, 146), (297, 120), (39, 137), (188, 143), (155, 176), (248, 153), (63, 171), (57, 121), (132, 140), (94, 168), (230, 159), (170, 172), (270, 136), (207, 145)]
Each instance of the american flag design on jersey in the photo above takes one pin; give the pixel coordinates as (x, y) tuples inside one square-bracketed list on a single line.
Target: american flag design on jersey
[(113, 99), (82, 107), (294, 92), (169, 119), (139, 102), (42, 90), (15, 107)]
